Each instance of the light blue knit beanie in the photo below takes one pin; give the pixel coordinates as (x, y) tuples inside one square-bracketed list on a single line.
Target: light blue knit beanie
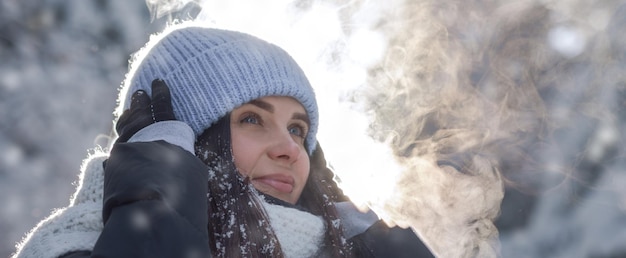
[(210, 72)]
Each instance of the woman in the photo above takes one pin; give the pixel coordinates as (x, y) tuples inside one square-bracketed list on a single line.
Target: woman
[(247, 112)]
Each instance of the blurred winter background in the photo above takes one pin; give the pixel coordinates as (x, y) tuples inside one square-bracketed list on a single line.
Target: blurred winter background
[(552, 73)]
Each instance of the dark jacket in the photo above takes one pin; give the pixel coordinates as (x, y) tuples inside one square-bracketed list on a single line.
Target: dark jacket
[(155, 206)]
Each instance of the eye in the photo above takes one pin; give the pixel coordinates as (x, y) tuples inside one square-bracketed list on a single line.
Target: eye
[(251, 118), (298, 130)]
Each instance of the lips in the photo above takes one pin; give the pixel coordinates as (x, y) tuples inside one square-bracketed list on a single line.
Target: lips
[(281, 183)]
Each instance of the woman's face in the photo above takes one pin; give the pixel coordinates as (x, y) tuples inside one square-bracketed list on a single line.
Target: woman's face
[(268, 145)]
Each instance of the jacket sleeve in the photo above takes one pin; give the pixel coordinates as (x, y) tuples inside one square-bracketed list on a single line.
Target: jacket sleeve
[(154, 203), (379, 240), (371, 237)]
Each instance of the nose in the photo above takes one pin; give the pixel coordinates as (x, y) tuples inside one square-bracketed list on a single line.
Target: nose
[(284, 148)]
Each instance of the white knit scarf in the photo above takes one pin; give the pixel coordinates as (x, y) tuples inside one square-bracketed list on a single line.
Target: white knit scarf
[(300, 233)]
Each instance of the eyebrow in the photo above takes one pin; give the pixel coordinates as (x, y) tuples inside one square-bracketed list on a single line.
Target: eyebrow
[(263, 105), (270, 108), (303, 117)]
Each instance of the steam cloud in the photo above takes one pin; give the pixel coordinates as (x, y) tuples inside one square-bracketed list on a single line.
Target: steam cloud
[(502, 93)]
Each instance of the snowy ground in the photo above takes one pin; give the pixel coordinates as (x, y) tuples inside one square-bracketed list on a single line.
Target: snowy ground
[(61, 62)]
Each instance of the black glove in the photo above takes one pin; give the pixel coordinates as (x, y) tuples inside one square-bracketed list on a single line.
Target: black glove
[(144, 111)]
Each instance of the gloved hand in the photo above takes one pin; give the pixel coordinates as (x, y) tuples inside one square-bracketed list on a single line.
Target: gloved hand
[(144, 111)]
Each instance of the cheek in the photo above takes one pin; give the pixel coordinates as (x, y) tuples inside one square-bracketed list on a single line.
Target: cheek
[(242, 153), (304, 168)]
